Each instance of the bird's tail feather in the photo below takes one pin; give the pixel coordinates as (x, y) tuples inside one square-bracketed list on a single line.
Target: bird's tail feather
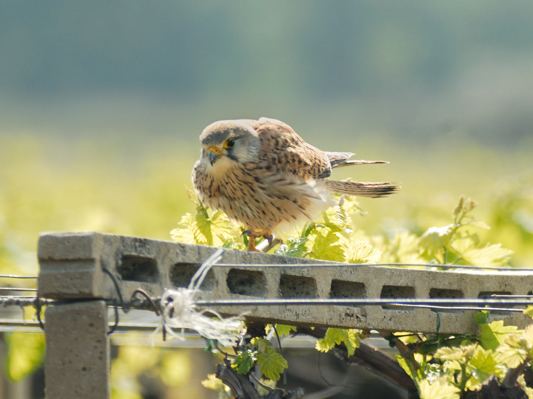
[(362, 189), (357, 162)]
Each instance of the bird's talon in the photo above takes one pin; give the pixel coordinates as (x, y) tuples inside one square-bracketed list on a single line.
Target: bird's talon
[(269, 238), (247, 232)]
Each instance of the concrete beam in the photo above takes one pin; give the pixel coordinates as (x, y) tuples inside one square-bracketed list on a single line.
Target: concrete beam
[(71, 267)]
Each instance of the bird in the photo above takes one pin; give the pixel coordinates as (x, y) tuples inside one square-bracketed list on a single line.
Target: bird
[(265, 177)]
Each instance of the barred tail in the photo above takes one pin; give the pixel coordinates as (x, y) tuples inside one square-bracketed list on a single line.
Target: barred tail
[(361, 189)]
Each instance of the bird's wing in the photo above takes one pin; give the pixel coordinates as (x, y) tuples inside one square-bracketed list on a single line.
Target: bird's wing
[(282, 148)]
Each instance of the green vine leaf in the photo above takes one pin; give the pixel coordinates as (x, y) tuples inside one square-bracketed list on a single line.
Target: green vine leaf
[(514, 351), (284, 329), (438, 389), (326, 246), (272, 363), (482, 365), (493, 334), (336, 336), (244, 361)]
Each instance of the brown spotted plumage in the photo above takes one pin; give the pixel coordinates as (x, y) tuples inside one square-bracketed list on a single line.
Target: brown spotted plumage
[(266, 177)]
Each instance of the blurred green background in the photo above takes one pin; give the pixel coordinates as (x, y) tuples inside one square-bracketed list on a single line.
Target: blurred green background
[(101, 105), (102, 102)]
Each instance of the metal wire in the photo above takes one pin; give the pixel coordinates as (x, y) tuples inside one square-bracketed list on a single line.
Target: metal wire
[(17, 289), (19, 300), (17, 276), (351, 265), (363, 302)]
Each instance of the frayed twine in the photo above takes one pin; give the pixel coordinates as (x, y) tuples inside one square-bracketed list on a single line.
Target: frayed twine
[(179, 312)]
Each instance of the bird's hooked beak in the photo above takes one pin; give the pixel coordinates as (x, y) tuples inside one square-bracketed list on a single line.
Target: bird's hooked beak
[(213, 153)]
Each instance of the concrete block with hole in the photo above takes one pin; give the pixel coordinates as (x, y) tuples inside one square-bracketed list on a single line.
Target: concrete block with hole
[(72, 267)]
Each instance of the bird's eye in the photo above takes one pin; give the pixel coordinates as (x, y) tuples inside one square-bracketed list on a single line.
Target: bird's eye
[(229, 143)]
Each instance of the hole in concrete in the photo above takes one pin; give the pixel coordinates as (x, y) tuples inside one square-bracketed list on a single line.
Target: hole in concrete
[(489, 295), (347, 289), (297, 286), (246, 282), (181, 275), (396, 291), (138, 268), (442, 293)]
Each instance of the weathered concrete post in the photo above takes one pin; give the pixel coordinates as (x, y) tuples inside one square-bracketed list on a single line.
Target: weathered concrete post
[(77, 344), (77, 351)]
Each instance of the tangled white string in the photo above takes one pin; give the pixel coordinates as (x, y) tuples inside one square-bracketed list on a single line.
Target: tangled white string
[(179, 311)]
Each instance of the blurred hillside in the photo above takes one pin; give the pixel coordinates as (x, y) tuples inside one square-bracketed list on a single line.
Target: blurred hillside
[(101, 105), (413, 69)]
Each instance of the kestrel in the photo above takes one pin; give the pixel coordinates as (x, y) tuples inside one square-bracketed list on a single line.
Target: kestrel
[(266, 177)]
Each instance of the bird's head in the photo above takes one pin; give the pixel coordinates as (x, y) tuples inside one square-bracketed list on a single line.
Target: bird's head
[(228, 143)]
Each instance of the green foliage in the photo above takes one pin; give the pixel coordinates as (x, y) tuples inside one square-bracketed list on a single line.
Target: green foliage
[(272, 363), (244, 361), (465, 366), (455, 243), (25, 354), (442, 366), (205, 227), (284, 329), (438, 389), (493, 334), (260, 352), (336, 336)]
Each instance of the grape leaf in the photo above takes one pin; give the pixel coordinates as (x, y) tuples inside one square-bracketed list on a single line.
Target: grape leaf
[(361, 252), (326, 246), (243, 361), (493, 334), (404, 365), (284, 329), (271, 363), (336, 336), (438, 389), (490, 255), (482, 364)]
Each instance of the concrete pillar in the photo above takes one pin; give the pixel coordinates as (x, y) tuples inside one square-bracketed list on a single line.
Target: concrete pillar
[(77, 351)]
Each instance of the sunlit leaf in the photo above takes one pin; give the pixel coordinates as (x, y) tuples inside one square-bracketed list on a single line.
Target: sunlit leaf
[(489, 255), (284, 329), (439, 389), (272, 363), (482, 364), (434, 240), (493, 334), (361, 252), (404, 364), (325, 245), (336, 336), (244, 361)]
